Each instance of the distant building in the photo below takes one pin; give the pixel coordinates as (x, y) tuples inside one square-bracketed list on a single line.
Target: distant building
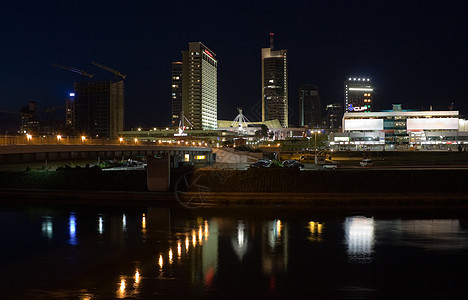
[(200, 86), (358, 94), (176, 93), (70, 113), (334, 115), (274, 84), (99, 108), (310, 109), (30, 123)]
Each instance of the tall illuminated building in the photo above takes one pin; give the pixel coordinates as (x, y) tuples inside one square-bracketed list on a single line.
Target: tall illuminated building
[(70, 113), (176, 88), (274, 84), (310, 109), (358, 94), (200, 86)]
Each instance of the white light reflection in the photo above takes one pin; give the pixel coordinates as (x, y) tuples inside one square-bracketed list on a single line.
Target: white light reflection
[(124, 222), (240, 240), (47, 229), (274, 232), (100, 227), (72, 229), (359, 237)]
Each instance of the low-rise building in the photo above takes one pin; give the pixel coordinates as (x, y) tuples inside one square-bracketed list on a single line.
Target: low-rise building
[(401, 129)]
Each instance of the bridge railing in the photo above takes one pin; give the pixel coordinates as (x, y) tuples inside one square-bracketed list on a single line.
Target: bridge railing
[(65, 140)]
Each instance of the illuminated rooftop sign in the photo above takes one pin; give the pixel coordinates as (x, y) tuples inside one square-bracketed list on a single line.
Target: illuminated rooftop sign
[(208, 52)]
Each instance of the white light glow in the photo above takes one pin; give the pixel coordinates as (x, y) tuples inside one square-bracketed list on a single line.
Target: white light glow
[(361, 89)]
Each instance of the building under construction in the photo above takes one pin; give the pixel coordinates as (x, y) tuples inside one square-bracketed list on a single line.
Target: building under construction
[(99, 108)]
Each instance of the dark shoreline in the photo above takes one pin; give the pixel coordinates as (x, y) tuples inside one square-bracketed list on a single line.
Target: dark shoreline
[(325, 202)]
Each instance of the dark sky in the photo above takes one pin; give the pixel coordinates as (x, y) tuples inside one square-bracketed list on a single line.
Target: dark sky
[(415, 53)]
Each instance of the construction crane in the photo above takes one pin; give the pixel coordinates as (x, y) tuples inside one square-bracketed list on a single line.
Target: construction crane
[(116, 73), (83, 73)]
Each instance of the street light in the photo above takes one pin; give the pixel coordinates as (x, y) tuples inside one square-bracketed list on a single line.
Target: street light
[(315, 143), (83, 139)]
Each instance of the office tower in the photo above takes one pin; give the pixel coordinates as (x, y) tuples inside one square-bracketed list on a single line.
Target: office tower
[(70, 113), (176, 92), (310, 109), (99, 108), (200, 86), (274, 84), (358, 94), (334, 115)]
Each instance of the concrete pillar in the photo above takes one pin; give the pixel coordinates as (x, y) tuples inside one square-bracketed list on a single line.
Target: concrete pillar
[(158, 173)]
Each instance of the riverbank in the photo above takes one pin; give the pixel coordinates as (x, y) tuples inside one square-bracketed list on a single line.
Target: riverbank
[(343, 189)]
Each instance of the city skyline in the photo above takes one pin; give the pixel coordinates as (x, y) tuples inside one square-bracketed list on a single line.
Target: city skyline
[(414, 55)]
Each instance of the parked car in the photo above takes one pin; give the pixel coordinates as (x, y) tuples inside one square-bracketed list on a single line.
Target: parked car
[(330, 166), (260, 164), (366, 162), (291, 163)]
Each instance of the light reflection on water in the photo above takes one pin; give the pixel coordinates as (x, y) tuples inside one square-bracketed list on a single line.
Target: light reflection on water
[(359, 236), (153, 253)]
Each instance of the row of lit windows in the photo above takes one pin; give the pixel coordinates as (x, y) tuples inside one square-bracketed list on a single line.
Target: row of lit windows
[(367, 100), (366, 94)]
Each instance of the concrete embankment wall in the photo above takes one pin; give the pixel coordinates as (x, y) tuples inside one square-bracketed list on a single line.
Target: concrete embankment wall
[(363, 181), (251, 181)]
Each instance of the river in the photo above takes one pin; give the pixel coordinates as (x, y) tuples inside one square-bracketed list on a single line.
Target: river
[(66, 252)]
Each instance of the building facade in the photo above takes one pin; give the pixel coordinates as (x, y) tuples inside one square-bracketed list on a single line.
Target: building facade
[(70, 114), (99, 108), (310, 108), (334, 115), (176, 98), (358, 95), (401, 129), (200, 86), (275, 85)]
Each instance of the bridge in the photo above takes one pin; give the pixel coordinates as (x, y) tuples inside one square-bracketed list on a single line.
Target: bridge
[(12, 153)]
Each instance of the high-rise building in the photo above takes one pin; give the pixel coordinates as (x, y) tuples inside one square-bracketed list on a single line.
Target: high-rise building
[(274, 84), (358, 94), (70, 113), (334, 115), (200, 86), (176, 92), (99, 108), (310, 109)]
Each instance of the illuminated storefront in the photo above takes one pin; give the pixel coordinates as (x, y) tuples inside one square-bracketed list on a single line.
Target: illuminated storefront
[(401, 129)]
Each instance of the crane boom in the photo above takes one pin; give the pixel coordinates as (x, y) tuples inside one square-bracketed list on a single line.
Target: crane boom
[(74, 70), (117, 73)]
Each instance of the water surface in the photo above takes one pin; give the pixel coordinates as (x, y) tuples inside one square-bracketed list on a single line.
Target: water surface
[(100, 253)]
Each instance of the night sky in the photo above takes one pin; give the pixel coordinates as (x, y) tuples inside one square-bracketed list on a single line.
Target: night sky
[(416, 53)]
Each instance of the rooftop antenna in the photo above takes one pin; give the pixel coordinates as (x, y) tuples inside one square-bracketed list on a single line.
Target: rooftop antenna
[(272, 41)]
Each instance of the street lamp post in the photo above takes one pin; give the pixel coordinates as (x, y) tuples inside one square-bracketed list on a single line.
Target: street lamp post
[(315, 144)]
